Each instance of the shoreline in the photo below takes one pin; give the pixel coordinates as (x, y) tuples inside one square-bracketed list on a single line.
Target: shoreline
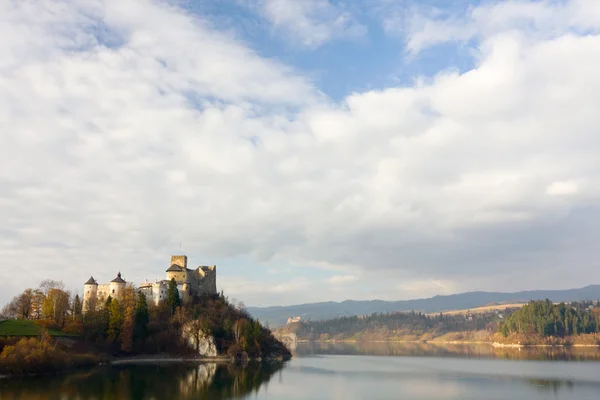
[(169, 359), (165, 359), (456, 342)]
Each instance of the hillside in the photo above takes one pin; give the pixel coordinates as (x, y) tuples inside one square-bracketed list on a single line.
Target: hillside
[(278, 315), (25, 328)]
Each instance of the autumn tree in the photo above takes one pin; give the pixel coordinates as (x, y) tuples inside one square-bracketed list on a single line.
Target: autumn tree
[(115, 320), (20, 306), (37, 304), (56, 305), (128, 305)]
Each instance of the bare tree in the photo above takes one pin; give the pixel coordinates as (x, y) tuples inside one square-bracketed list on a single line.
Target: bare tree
[(20, 306), (10, 310), (48, 284)]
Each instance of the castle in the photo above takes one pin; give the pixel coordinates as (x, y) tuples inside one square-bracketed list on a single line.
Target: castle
[(190, 283)]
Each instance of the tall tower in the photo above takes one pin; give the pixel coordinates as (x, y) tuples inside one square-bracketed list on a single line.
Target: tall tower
[(117, 287), (178, 269), (90, 293), (180, 261)]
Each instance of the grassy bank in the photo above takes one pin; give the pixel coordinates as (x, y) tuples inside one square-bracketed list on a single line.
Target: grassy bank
[(21, 327)]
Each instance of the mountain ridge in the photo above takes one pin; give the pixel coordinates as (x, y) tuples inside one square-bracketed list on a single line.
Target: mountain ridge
[(278, 315)]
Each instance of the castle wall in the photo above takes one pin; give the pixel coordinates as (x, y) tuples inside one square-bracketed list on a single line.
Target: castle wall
[(208, 283), (103, 291), (155, 292), (179, 276)]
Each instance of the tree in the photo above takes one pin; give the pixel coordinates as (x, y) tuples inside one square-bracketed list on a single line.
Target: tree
[(56, 305), (10, 310), (128, 305), (142, 317), (37, 303), (76, 307), (48, 284), (115, 319), (20, 306), (173, 300)]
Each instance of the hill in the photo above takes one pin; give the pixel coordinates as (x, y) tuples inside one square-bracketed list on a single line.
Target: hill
[(278, 315)]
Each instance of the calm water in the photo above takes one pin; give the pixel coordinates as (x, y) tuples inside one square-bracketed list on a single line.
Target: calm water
[(326, 371)]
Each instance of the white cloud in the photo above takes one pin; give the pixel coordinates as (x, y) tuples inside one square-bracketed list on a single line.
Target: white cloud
[(127, 128), (311, 23), (425, 27)]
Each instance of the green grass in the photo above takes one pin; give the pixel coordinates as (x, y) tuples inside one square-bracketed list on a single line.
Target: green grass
[(24, 328)]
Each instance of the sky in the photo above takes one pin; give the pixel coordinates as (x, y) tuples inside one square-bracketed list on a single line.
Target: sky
[(313, 150)]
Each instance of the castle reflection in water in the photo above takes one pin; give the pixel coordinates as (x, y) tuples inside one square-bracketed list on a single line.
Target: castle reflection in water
[(144, 381)]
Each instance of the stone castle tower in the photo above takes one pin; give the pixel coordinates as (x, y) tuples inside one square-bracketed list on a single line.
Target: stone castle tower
[(93, 292), (190, 283)]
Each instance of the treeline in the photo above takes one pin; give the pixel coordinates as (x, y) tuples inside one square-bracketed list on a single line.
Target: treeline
[(545, 318), (49, 302), (386, 326)]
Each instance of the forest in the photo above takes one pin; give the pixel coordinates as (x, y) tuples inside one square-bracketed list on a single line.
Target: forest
[(533, 323), (392, 326), (128, 326), (545, 318)]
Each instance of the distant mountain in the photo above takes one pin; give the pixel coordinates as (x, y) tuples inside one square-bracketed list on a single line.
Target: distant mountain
[(278, 315)]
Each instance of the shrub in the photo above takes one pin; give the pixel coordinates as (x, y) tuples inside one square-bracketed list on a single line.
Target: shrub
[(33, 356), (73, 328), (47, 324)]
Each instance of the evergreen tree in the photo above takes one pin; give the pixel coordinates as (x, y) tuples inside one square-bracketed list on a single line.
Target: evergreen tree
[(173, 300), (142, 317), (77, 306)]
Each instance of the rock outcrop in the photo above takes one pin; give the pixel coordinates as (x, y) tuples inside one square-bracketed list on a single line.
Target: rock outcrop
[(197, 339)]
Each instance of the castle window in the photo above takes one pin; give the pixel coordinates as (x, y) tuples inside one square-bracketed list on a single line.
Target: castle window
[(113, 291)]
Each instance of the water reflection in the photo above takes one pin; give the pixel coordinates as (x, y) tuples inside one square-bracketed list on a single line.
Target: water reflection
[(142, 382), (420, 371), (448, 350)]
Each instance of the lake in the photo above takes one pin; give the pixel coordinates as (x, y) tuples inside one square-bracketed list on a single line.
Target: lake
[(341, 371)]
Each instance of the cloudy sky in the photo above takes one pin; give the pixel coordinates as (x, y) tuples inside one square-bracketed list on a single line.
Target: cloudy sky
[(312, 149)]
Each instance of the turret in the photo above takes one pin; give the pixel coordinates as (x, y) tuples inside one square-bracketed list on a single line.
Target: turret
[(117, 287), (90, 292)]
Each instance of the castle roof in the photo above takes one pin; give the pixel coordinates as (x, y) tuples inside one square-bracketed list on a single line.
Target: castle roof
[(118, 279), (175, 268), (91, 281)]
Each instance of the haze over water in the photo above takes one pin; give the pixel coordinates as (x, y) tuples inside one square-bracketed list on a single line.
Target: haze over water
[(346, 371)]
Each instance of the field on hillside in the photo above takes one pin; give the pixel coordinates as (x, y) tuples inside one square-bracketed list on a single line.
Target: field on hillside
[(17, 327), (481, 310)]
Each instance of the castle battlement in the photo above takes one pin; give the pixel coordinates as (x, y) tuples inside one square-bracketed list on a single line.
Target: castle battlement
[(190, 283)]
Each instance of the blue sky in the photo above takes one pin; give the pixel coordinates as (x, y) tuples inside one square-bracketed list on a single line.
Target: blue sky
[(313, 150)]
